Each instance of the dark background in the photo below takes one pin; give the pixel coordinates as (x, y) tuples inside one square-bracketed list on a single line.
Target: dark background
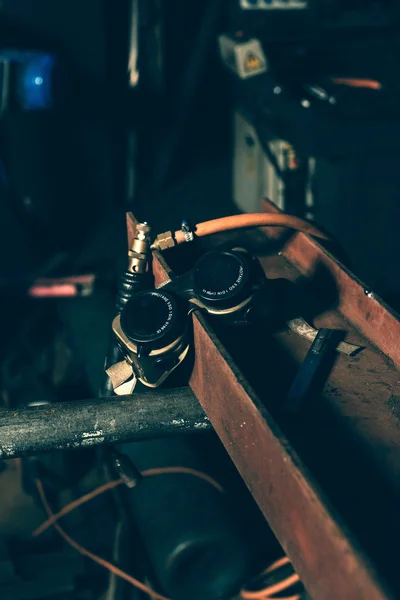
[(64, 197)]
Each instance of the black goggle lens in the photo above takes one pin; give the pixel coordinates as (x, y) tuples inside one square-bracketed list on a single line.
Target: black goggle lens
[(149, 316), (219, 276)]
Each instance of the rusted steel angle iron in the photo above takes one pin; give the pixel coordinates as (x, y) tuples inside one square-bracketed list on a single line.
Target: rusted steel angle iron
[(360, 305), (329, 562)]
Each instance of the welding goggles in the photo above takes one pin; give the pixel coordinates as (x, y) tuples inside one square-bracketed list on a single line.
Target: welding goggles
[(154, 328)]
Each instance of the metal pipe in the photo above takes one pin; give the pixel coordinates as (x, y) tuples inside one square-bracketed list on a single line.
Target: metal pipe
[(73, 425)]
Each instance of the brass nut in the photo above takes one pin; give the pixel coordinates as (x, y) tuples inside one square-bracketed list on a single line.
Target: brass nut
[(143, 231), (164, 241)]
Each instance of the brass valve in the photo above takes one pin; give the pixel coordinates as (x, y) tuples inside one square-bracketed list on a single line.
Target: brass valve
[(138, 254)]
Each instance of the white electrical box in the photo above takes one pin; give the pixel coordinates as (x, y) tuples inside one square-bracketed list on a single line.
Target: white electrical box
[(254, 175)]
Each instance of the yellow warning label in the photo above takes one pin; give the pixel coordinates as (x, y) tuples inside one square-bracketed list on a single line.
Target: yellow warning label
[(252, 62)]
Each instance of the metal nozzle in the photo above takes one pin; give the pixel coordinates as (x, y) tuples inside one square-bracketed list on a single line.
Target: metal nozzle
[(164, 241)]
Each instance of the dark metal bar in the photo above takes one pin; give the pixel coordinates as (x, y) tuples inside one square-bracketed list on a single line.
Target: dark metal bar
[(73, 425), (313, 372)]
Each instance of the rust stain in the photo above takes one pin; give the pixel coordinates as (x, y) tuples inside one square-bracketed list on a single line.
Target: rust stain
[(322, 550)]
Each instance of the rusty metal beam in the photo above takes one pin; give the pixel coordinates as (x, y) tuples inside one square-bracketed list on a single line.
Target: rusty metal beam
[(357, 303), (328, 559)]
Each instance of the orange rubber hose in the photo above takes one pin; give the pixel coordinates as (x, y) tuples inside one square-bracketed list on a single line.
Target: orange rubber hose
[(252, 220), (184, 471)]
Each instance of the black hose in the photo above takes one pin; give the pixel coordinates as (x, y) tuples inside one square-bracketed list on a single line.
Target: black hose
[(130, 283)]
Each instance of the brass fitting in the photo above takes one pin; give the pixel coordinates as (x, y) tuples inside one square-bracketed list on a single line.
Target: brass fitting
[(138, 254), (164, 241)]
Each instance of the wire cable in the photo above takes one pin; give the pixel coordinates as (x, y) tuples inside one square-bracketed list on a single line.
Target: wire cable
[(115, 483), (263, 594), (97, 559), (75, 504), (263, 597), (269, 592), (271, 589), (285, 560)]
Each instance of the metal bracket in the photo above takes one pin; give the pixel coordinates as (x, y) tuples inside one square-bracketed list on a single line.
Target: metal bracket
[(122, 377)]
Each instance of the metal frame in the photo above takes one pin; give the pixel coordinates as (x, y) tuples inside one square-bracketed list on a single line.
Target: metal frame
[(324, 551)]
